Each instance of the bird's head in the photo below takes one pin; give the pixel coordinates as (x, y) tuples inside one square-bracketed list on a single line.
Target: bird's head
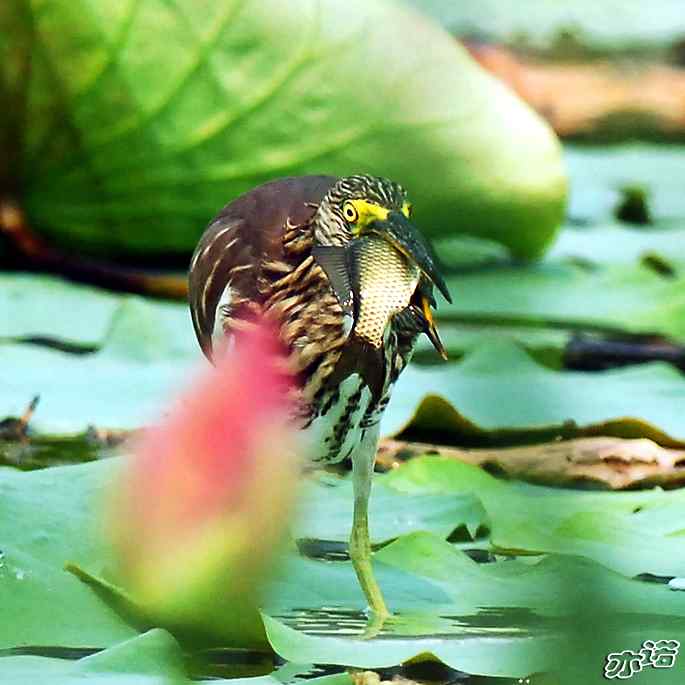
[(359, 206), (353, 204)]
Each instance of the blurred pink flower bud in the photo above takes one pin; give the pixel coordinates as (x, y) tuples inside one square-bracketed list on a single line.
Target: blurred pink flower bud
[(204, 501)]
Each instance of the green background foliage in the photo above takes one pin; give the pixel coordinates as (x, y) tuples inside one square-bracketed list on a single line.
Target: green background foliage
[(128, 145)]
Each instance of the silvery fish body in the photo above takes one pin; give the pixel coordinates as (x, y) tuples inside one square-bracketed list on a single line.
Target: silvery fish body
[(383, 282)]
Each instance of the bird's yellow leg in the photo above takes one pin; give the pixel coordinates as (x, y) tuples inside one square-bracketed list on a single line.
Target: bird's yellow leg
[(360, 545)]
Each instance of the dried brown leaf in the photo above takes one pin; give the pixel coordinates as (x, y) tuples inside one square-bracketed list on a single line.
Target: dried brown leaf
[(614, 463)]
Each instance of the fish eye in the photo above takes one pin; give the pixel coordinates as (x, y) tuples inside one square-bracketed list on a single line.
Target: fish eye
[(350, 212)]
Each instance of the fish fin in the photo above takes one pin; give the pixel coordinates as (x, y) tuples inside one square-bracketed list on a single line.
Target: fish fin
[(333, 260)]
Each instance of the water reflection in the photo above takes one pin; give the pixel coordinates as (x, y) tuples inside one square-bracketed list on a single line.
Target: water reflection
[(488, 622)]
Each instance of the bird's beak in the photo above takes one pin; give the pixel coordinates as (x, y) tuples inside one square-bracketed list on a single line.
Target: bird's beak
[(431, 329), (406, 238)]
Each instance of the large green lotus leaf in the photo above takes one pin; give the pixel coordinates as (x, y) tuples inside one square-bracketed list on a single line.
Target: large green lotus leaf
[(509, 618), (145, 117), (101, 389), (599, 173), (612, 243), (139, 328), (48, 308), (632, 533), (33, 306), (326, 513), (496, 390), (145, 351), (608, 24), (546, 345), (478, 618), (620, 298), (146, 330), (49, 518), (499, 390), (142, 329), (153, 658)]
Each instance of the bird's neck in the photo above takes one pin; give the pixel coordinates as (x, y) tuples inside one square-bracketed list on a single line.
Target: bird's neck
[(328, 228)]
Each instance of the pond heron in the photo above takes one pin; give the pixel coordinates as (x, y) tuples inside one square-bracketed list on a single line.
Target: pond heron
[(348, 279)]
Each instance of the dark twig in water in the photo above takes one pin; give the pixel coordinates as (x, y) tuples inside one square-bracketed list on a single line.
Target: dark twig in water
[(588, 354), (14, 428)]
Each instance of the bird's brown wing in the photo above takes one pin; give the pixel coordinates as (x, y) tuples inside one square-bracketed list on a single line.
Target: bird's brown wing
[(247, 234)]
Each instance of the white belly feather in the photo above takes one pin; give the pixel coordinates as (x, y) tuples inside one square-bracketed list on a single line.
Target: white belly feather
[(333, 436)]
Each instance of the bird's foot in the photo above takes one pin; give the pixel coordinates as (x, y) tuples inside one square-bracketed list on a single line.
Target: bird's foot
[(376, 621), (378, 611)]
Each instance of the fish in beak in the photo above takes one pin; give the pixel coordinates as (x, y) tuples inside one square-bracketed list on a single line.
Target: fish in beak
[(390, 266), (408, 240)]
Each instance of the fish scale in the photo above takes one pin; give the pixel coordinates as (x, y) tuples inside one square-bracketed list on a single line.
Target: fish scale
[(384, 284)]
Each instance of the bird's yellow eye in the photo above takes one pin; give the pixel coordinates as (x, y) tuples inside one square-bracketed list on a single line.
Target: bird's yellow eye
[(350, 212), (407, 209)]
